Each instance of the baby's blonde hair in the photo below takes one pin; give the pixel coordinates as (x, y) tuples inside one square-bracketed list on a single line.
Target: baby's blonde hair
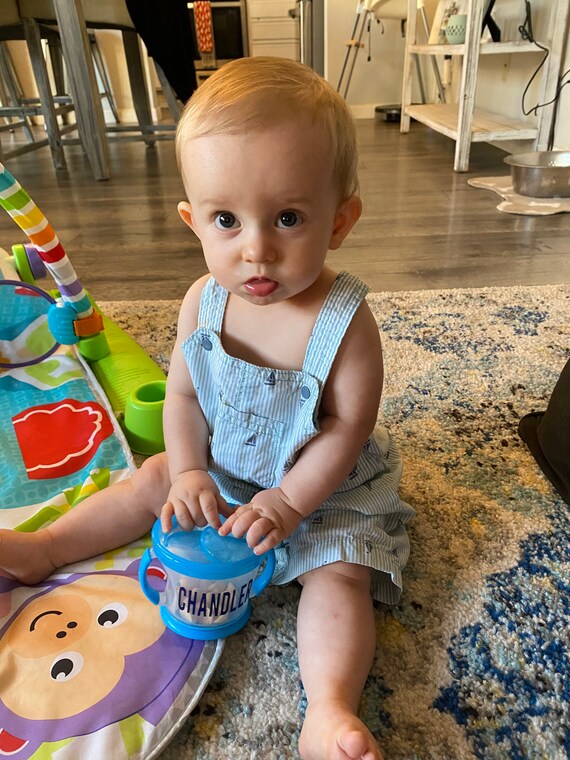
[(253, 93)]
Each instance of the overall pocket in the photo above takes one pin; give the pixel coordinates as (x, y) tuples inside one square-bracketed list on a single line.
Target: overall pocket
[(245, 446)]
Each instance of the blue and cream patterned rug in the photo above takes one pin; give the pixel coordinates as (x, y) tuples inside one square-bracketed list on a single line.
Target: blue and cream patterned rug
[(475, 661)]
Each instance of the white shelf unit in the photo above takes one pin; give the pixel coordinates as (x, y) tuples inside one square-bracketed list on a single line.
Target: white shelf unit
[(272, 31), (463, 121)]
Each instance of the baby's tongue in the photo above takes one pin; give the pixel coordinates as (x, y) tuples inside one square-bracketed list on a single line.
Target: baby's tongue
[(260, 286)]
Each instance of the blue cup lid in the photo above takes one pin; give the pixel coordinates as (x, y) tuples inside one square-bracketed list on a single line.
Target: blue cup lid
[(203, 553)]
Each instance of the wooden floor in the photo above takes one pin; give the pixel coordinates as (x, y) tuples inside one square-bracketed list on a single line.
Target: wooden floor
[(423, 227)]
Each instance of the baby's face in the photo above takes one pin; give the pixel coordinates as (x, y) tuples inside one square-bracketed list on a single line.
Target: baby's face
[(264, 204)]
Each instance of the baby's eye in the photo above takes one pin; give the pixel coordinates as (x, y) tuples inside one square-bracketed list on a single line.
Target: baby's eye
[(225, 220), (288, 219)]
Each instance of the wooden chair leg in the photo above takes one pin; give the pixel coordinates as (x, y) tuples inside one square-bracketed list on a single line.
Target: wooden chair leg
[(34, 43), (171, 99), (83, 85), (12, 91), (56, 60), (137, 79), (102, 73), (58, 69)]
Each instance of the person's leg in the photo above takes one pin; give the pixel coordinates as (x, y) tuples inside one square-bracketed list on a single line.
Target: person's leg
[(336, 638), (108, 519)]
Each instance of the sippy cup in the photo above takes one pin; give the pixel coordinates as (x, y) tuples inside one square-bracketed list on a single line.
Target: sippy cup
[(209, 580)]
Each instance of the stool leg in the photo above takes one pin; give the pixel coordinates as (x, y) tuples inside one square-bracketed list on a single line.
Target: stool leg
[(102, 71), (173, 103), (137, 79), (33, 40), (81, 77), (12, 90), (56, 60)]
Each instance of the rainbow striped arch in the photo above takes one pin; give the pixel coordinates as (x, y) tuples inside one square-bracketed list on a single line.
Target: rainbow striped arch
[(31, 220)]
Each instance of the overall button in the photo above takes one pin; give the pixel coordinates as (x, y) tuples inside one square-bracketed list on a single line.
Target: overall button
[(206, 344), (305, 392)]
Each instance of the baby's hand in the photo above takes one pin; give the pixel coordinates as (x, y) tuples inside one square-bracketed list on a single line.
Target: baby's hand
[(195, 500), (267, 520)]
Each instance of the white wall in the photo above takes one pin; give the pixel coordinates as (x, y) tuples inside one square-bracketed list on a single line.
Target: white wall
[(501, 82), (374, 82)]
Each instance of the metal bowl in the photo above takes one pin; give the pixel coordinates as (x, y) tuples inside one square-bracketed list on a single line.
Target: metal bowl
[(541, 174)]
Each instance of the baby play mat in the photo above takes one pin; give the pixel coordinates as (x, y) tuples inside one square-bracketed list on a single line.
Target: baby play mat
[(87, 668), (513, 203)]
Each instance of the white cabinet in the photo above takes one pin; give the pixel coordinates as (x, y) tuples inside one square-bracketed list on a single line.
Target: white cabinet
[(463, 121), (272, 31)]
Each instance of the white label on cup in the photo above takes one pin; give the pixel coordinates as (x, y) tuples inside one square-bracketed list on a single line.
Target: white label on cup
[(212, 606)]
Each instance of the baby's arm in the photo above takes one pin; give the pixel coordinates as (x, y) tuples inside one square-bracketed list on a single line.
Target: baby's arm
[(348, 413), (194, 497)]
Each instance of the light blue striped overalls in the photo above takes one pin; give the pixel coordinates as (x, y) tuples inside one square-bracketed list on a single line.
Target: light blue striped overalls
[(259, 420)]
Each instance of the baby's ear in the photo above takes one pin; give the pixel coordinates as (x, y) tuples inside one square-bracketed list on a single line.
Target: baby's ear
[(346, 217), (185, 211)]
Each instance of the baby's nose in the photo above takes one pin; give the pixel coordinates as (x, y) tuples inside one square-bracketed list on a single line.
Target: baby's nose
[(259, 248)]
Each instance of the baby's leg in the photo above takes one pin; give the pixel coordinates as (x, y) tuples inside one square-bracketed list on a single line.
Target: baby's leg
[(336, 640), (108, 519)]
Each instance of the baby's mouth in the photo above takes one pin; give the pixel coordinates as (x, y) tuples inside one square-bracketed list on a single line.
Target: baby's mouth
[(260, 286)]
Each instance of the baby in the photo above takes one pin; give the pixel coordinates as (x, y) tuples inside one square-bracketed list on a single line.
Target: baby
[(274, 387)]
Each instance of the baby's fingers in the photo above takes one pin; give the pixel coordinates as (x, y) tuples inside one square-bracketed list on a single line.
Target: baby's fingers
[(210, 508), (239, 522), (226, 527), (263, 528), (270, 541), (232, 518), (188, 515), (166, 514), (178, 509), (224, 508)]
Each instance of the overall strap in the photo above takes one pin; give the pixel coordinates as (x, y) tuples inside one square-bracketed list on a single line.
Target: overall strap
[(212, 306), (340, 306)]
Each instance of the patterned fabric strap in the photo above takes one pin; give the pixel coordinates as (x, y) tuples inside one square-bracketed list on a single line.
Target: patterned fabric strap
[(212, 306), (340, 306)]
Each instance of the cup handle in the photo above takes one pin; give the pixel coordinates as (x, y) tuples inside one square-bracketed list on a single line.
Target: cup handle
[(263, 578), (150, 593)]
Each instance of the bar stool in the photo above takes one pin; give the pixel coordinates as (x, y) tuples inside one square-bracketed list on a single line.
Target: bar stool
[(12, 27), (98, 14), (105, 14), (11, 97), (58, 70)]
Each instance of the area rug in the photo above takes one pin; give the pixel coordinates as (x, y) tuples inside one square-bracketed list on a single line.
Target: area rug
[(514, 203), (475, 660)]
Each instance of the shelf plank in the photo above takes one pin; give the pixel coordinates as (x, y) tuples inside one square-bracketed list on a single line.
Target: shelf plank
[(486, 126), (486, 48)]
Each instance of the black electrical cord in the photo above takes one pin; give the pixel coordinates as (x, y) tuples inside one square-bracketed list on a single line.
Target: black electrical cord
[(526, 33)]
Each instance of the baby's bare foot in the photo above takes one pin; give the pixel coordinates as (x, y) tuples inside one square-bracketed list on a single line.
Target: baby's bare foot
[(25, 556), (333, 732)]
